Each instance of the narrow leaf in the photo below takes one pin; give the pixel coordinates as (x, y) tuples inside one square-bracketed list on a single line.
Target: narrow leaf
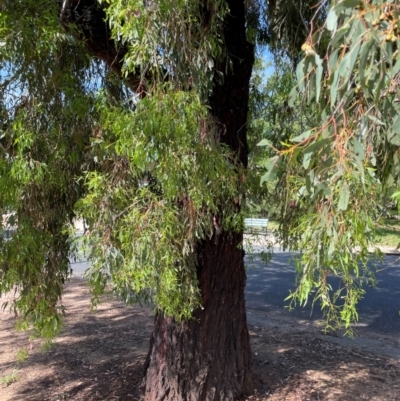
[(344, 195), (264, 142), (303, 136), (331, 20)]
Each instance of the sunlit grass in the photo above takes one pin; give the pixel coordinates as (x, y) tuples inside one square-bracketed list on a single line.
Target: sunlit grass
[(388, 232)]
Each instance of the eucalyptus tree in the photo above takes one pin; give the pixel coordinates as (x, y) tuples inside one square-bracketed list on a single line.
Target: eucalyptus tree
[(99, 99), (133, 115), (348, 73)]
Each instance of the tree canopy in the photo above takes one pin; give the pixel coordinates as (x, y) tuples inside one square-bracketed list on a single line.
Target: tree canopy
[(135, 117), (79, 142)]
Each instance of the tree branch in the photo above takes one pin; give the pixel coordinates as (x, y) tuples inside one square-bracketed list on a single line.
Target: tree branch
[(90, 19)]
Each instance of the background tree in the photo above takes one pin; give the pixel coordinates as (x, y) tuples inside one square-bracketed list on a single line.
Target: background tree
[(349, 74), (272, 125)]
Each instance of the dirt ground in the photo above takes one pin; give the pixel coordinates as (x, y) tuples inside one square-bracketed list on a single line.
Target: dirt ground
[(100, 356)]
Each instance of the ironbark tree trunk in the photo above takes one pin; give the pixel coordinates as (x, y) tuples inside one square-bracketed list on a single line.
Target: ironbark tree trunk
[(207, 358)]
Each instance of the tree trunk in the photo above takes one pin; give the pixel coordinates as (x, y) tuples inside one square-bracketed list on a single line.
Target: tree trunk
[(208, 357)]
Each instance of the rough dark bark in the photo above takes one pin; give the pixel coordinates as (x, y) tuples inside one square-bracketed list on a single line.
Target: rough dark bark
[(229, 100), (90, 19), (208, 357)]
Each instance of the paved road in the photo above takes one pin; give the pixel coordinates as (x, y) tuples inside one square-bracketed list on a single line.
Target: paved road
[(268, 286), (79, 267)]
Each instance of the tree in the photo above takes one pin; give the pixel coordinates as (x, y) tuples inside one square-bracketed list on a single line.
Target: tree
[(134, 115), (348, 72), (166, 106)]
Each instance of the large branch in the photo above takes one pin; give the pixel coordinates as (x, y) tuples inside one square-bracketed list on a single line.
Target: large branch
[(90, 19)]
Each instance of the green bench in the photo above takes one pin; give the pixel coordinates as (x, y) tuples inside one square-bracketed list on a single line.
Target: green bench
[(255, 226)]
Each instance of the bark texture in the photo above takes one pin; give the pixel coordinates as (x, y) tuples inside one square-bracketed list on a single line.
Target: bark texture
[(208, 357)]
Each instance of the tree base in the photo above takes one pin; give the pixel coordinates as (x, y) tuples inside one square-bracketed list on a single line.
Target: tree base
[(208, 357)]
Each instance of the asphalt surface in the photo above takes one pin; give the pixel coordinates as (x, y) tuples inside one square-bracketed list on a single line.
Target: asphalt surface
[(269, 285)]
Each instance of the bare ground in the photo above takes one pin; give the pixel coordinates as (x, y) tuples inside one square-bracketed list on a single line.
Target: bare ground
[(100, 357)]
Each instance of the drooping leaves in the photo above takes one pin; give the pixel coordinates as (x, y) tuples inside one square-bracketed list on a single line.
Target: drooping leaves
[(349, 150), (145, 170)]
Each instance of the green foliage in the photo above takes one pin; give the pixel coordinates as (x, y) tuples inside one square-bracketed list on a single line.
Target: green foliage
[(145, 171), (346, 155), (8, 379), (183, 44), (273, 122), (47, 115), (154, 199), (288, 26)]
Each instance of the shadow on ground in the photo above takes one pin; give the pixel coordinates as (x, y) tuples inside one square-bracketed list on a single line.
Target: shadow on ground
[(100, 357)]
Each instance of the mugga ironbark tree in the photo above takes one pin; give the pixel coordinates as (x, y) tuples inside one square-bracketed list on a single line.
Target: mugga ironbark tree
[(168, 104), (149, 146)]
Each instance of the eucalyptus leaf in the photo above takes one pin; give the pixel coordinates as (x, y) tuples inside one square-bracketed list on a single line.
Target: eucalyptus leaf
[(264, 142), (331, 20), (344, 196), (305, 135)]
